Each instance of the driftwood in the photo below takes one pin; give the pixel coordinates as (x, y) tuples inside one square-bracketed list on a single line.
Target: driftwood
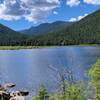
[(6, 95)]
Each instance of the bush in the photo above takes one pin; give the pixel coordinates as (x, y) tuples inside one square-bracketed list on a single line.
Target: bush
[(94, 74), (42, 94)]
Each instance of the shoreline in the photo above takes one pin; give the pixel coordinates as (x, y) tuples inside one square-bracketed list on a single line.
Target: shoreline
[(36, 47), (22, 47)]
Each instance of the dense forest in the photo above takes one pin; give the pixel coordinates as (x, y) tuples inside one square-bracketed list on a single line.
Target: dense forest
[(10, 37), (85, 31)]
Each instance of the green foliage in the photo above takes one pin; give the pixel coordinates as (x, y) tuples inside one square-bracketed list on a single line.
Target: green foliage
[(94, 74), (71, 92), (75, 92), (55, 96), (10, 37), (42, 94)]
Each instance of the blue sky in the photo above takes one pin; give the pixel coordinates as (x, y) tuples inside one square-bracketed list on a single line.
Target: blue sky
[(22, 14)]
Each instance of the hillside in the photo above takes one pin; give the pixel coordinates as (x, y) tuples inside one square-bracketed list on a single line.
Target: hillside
[(9, 36), (47, 28), (85, 31)]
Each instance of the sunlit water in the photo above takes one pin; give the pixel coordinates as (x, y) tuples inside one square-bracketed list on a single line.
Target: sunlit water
[(30, 68)]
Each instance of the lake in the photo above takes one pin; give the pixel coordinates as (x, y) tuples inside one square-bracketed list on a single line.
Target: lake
[(30, 68)]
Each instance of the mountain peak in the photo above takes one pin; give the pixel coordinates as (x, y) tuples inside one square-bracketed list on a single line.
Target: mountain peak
[(47, 28)]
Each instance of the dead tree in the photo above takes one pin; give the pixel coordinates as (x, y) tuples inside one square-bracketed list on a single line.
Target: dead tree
[(63, 77)]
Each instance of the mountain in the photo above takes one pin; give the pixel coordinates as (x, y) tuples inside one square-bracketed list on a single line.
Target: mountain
[(47, 28), (9, 36), (89, 24), (85, 31)]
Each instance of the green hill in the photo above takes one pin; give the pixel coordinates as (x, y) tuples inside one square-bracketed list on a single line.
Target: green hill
[(47, 28), (9, 36), (85, 31)]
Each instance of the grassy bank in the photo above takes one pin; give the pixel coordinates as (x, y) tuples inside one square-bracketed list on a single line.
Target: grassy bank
[(16, 47), (89, 44), (22, 47), (32, 47)]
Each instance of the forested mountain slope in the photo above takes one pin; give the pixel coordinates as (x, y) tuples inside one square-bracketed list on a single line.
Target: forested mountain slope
[(9, 36), (84, 31), (47, 28)]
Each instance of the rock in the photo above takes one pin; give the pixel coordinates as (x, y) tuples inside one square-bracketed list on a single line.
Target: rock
[(6, 95)]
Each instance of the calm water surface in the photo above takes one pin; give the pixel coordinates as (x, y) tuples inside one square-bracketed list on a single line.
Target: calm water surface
[(30, 68)]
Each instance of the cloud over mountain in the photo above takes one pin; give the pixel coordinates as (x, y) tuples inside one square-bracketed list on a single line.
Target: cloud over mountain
[(78, 18)]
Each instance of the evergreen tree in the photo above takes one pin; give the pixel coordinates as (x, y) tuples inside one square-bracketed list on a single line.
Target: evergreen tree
[(42, 94), (94, 74)]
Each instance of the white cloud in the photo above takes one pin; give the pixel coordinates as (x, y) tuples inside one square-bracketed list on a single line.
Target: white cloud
[(73, 19), (72, 3), (55, 12), (35, 10), (78, 18), (93, 2), (31, 10), (81, 17)]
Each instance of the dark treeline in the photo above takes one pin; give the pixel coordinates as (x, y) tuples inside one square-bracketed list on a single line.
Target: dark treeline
[(86, 31)]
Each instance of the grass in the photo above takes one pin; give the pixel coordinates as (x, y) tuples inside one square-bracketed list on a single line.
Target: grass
[(89, 44), (22, 47), (16, 47), (32, 47)]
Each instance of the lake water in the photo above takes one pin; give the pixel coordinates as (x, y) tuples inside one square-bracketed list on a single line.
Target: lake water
[(30, 68)]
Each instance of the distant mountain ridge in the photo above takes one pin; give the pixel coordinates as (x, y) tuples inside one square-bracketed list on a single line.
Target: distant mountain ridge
[(9, 36), (47, 28), (85, 31)]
